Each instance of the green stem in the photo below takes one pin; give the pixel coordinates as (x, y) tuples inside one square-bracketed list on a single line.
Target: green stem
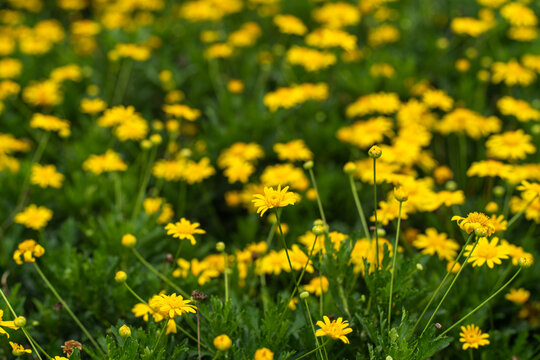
[(441, 284), (68, 309), (144, 184), (312, 351), (24, 188), (30, 339), (123, 81), (319, 203), (344, 299), (135, 294), (518, 215), (375, 210), (482, 304), (226, 276), (166, 320), (285, 246), (449, 288), (271, 235), (157, 273), (359, 208), (313, 328), (394, 267), (321, 301)]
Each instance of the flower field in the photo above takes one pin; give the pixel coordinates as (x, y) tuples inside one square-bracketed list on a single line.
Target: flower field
[(269, 179)]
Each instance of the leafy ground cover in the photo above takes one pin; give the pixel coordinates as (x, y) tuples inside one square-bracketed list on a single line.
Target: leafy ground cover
[(265, 179)]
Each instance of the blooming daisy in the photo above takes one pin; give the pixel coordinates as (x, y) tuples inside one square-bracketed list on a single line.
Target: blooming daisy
[(487, 252), (184, 229), (472, 337), (273, 198), (337, 329)]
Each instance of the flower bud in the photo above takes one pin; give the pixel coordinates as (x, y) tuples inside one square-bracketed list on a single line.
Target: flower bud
[(120, 277), (375, 152), (222, 342), (318, 229), (304, 295), (381, 232), (389, 358), (401, 194), (419, 267), (349, 168), (525, 261), (451, 185), (308, 165), (20, 321), (146, 144), (220, 246), (480, 232), (124, 331), (156, 139), (492, 207), (498, 191), (129, 240)]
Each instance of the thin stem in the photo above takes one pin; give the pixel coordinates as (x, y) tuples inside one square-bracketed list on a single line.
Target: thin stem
[(160, 334), (30, 339), (321, 301), (285, 246), (135, 294), (271, 235), (343, 299), (359, 208), (144, 184), (482, 304), (319, 203), (226, 276), (518, 215), (303, 270), (313, 328), (375, 210), (68, 309), (44, 139), (441, 284), (123, 81), (394, 267), (449, 288), (35, 345), (312, 351), (157, 273), (198, 331)]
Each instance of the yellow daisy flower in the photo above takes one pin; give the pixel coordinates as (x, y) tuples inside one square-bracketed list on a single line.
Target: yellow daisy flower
[(337, 329)]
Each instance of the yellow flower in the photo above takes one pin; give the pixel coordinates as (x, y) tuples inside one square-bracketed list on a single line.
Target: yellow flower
[(273, 199), (531, 188), (19, 350), (180, 111), (50, 123), (222, 342), (46, 176), (170, 306), (289, 24), (46, 93), (264, 354), (519, 15), (473, 221), (366, 133), (472, 337), (294, 150), (382, 102), (8, 324), (152, 205), (337, 329), (310, 59), (521, 109), (239, 170), (337, 15), (110, 161), (512, 73), (196, 172), (28, 251), (434, 243), (235, 86), (34, 217), (511, 145), (317, 285), (487, 252), (519, 296), (184, 229)]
